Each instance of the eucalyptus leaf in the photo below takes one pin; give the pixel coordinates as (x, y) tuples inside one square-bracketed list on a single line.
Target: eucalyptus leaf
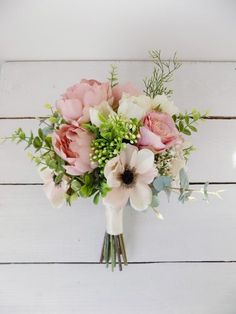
[(184, 182)]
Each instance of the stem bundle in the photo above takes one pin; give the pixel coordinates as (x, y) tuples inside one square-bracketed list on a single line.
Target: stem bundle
[(113, 251)]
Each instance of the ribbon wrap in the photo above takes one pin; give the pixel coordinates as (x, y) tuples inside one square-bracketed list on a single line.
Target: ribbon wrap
[(114, 220)]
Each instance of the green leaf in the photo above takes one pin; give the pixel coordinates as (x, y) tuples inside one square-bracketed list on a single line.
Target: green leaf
[(186, 118), (184, 196), (85, 191), (162, 183), (96, 198), (155, 201), (48, 141), (87, 179), (75, 185), (37, 143), (186, 131), (22, 135), (58, 178), (181, 126), (48, 106), (184, 182), (193, 128), (40, 134)]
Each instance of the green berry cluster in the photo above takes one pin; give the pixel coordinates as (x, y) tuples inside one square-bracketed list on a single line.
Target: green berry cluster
[(111, 138)]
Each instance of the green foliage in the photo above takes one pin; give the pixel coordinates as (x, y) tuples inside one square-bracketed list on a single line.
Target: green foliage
[(162, 183), (185, 122), (163, 162), (162, 74), (113, 76), (187, 152), (90, 184), (185, 192), (112, 135)]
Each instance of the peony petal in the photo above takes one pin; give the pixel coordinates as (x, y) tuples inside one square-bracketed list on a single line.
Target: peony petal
[(127, 88), (70, 109), (145, 160), (140, 196), (117, 197)]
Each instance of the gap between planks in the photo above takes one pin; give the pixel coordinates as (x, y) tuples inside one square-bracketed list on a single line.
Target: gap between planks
[(120, 60), (39, 118), (130, 263), (191, 183)]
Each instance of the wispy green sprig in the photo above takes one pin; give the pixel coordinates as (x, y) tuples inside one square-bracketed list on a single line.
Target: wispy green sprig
[(113, 76), (162, 74)]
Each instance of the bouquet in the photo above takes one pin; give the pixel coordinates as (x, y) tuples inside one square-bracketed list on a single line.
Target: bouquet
[(115, 143)]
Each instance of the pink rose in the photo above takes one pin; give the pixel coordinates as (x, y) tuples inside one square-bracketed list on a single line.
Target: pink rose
[(127, 88), (158, 132), (72, 144), (75, 103)]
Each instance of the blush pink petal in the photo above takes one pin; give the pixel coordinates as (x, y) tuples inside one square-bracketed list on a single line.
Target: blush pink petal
[(70, 109), (127, 88), (140, 196), (77, 99), (117, 197), (150, 140), (72, 144)]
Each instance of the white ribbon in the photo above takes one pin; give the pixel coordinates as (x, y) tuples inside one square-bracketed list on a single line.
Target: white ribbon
[(114, 220)]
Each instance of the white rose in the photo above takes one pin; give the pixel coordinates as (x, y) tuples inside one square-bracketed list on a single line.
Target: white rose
[(134, 106), (104, 108), (165, 104)]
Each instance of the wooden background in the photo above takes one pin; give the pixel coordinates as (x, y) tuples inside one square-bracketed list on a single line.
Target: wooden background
[(49, 257), (185, 264)]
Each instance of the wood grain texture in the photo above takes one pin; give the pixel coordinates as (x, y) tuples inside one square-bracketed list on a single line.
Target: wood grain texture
[(26, 86), (193, 248), (104, 29), (72, 289), (30, 230), (214, 159)]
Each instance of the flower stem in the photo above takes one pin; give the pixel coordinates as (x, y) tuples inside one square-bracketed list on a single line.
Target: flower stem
[(113, 251)]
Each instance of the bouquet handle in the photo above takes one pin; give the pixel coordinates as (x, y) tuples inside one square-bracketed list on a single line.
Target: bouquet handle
[(113, 249)]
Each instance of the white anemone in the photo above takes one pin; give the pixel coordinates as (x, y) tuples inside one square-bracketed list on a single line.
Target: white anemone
[(129, 175)]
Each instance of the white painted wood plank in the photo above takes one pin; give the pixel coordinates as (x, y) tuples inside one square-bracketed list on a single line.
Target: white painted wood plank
[(26, 86), (214, 159), (89, 289), (30, 230), (105, 29)]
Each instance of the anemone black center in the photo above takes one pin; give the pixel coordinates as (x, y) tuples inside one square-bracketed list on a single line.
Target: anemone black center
[(127, 177)]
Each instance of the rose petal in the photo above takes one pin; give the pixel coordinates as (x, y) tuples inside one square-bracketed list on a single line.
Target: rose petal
[(149, 139)]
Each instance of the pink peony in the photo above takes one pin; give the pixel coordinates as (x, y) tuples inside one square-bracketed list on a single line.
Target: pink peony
[(127, 88), (72, 144), (75, 103), (158, 132)]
